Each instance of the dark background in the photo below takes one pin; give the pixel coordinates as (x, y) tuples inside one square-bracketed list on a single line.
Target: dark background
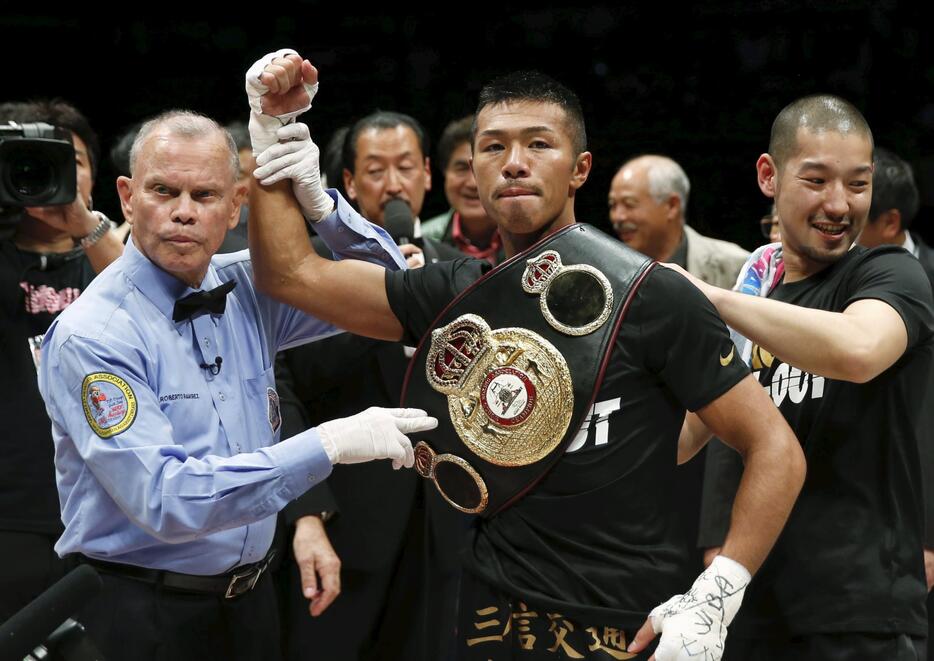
[(701, 84)]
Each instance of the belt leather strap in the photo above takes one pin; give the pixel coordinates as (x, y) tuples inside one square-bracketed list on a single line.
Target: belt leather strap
[(229, 585), (499, 299)]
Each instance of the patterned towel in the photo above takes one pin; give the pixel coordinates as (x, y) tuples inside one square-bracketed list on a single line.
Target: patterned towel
[(758, 277)]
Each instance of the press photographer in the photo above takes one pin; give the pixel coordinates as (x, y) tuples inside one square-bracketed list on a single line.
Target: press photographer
[(48, 255)]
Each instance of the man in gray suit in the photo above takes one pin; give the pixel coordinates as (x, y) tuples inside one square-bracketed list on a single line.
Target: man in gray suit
[(648, 199)]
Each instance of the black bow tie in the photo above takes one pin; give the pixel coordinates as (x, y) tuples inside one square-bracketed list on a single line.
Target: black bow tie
[(213, 301)]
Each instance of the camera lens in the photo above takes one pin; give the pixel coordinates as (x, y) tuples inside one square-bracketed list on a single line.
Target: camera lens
[(31, 175)]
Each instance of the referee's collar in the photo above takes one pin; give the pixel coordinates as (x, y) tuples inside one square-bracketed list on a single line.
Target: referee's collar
[(160, 287)]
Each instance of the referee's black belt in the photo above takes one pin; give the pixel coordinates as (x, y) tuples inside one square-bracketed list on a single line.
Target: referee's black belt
[(232, 584)]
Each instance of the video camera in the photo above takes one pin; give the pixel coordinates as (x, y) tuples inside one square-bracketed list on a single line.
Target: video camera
[(37, 165)]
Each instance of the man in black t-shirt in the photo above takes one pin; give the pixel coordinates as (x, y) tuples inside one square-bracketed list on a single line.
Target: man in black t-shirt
[(575, 566), (844, 345), (895, 202), (44, 266)]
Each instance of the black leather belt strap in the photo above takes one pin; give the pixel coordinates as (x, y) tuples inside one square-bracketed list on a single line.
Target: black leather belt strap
[(232, 584)]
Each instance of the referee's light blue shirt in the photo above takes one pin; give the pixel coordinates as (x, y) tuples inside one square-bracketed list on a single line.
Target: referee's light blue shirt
[(159, 462)]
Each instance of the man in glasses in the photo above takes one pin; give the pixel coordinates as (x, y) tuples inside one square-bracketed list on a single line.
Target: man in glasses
[(768, 225), (576, 565)]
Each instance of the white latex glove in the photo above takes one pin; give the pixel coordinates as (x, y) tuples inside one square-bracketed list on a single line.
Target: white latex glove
[(693, 625), (263, 127), (296, 158), (376, 433)]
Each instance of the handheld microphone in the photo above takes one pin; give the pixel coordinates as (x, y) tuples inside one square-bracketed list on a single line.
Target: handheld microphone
[(215, 367), (32, 625), (399, 221)]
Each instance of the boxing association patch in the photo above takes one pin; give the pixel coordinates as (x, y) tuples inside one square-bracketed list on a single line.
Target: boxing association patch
[(273, 410), (109, 403)]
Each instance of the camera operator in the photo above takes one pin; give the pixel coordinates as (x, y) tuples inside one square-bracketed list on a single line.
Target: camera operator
[(48, 255)]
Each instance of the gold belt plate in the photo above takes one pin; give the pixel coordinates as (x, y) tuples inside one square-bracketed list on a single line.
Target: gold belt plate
[(510, 395)]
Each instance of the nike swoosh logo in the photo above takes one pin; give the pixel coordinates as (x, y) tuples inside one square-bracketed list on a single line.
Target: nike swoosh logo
[(729, 357)]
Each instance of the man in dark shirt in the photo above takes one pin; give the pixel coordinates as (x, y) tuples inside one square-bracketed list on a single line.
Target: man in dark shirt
[(465, 225), (45, 266), (366, 552), (579, 562), (895, 202), (844, 345)]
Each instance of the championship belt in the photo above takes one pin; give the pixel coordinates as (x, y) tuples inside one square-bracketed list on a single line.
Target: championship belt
[(512, 366)]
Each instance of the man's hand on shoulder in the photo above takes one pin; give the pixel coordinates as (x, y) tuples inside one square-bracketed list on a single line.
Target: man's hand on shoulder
[(709, 291)]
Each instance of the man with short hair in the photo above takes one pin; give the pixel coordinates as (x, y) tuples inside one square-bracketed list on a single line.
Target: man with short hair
[(895, 202), (165, 416), (236, 238), (574, 564), (48, 257), (385, 158), (842, 339), (465, 225), (357, 534), (648, 205)]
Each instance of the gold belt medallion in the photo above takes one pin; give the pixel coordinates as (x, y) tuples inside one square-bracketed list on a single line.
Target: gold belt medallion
[(509, 390), (575, 300)]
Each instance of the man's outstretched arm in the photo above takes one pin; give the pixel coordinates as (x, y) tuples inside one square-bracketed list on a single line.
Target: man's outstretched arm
[(855, 345), (350, 294)]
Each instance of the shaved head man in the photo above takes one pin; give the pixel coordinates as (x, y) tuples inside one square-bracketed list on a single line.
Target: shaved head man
[(808, 139), (820, 114), (842, 339)]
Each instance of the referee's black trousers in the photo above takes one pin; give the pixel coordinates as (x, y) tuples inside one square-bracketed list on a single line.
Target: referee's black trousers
[(138, 621)]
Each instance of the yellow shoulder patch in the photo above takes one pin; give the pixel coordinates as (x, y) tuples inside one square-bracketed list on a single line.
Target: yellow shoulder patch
[(109, 403)]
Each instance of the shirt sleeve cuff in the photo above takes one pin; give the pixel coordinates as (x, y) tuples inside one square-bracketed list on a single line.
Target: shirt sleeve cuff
[(303, 461), (350, 235)]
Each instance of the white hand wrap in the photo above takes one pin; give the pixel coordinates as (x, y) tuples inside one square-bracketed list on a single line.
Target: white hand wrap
[(376, 433), (263, 127), (296, 158), (693, 625)]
